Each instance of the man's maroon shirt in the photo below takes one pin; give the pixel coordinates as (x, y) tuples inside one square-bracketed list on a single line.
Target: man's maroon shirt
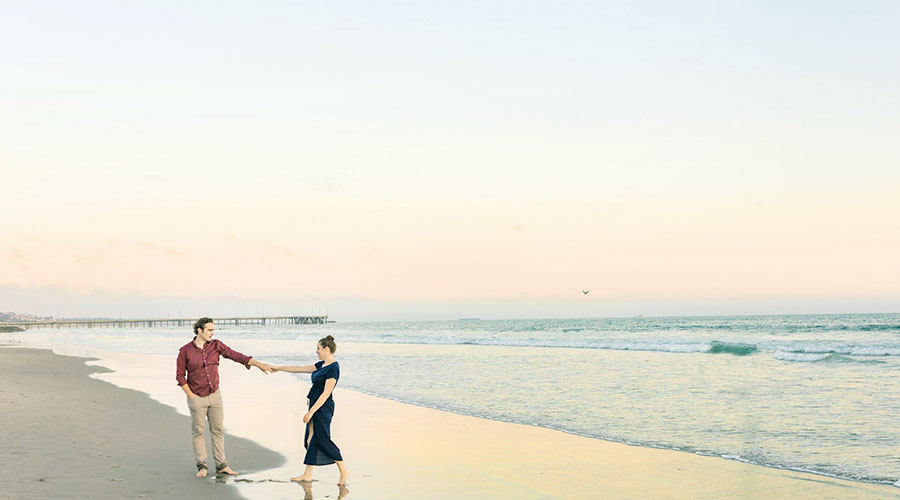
[(202, 365)]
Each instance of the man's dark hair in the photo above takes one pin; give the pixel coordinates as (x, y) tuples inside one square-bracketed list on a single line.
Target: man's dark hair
[(201, 323)]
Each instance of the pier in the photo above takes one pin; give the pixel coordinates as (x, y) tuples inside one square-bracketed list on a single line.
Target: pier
[(150, 323)]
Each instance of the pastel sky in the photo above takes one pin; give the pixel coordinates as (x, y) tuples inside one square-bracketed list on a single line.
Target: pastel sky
[(431, 160)]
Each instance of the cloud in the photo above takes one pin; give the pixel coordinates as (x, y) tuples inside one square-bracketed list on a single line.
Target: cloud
[(13, 254), (326, 183), (16, 256), (90, 258), (174, 253), (168, 250), (276, 249), (69, 301)]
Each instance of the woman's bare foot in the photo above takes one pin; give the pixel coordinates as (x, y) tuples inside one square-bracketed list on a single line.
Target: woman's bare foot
[(227, 470), (343, 479), (305, 478), (201, 473)]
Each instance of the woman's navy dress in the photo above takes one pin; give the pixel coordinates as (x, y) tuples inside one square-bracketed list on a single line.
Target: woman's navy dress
[(321, 450)]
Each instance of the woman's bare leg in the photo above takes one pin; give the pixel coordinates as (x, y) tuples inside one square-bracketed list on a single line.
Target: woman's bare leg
[(345, 474), (307, 474)]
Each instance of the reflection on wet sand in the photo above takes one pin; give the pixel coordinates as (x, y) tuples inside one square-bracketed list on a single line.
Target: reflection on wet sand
[(308, 492)]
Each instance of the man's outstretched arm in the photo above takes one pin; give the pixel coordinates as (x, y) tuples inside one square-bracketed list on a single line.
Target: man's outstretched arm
[(243, 359)]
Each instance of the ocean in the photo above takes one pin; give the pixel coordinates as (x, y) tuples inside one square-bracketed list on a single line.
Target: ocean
[(815, 393)]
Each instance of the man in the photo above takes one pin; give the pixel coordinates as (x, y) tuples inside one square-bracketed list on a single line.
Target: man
[(199, 360)]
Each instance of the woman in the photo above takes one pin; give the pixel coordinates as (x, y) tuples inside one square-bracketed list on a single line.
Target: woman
[(320, 449)]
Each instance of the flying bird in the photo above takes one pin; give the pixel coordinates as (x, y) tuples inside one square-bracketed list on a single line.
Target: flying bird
[(585, 292)]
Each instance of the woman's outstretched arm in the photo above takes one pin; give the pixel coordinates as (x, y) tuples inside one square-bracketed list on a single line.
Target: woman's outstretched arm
[(294, 369)]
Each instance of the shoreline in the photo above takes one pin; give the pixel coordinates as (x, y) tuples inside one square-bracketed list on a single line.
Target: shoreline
[(402, 450), (637, 445)]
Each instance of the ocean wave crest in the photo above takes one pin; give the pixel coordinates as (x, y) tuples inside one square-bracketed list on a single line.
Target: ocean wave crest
[(830, 357), (801, 357), (852, 350), (736, 348)]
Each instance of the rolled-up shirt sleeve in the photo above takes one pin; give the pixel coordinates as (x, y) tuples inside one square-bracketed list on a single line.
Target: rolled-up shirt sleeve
[(233, 355), (181, 368)]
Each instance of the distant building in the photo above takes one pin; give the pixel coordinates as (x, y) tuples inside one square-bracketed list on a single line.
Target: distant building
[(11, 317)]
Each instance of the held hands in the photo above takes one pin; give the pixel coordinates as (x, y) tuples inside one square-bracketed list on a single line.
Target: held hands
[(264, 367)]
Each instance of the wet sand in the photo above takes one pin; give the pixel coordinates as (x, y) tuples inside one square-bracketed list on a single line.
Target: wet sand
[(64, 434)]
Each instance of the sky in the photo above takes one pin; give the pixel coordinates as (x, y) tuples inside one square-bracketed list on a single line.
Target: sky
[(415, 160)]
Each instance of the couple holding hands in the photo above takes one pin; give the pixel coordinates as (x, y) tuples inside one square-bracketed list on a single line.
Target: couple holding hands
[(197, 373)]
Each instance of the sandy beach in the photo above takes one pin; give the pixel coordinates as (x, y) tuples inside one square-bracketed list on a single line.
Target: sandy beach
[(67, 435), (118, 443)]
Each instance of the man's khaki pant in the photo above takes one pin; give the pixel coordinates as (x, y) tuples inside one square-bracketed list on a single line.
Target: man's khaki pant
[(203, 407)]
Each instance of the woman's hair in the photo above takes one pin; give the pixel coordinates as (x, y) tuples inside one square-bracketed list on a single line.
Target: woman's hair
[(329, 343), (201, 323)]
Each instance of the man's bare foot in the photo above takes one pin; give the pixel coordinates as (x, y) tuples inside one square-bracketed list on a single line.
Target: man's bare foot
[(343, 479), (302, 479), (227, 470), (201, 473)]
